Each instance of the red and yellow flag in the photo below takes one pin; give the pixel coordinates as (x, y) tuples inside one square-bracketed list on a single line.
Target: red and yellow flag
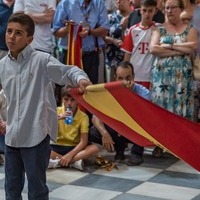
[(141, 121), (74, 53)]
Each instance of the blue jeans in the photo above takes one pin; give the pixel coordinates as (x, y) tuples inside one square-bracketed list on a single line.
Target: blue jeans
[(33, 161)]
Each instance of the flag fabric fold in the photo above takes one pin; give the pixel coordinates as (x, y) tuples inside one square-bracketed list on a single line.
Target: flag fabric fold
[(141, 121), (74, 53)]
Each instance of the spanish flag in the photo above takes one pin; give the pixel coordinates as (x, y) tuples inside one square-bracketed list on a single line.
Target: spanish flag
[(141, 121), (74, 53)]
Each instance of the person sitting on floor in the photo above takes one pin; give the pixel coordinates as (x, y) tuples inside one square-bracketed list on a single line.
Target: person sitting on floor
[(110, 139), (72, 146)]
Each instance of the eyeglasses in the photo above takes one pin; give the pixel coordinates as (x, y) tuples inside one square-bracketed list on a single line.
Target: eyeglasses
[(171, 8)]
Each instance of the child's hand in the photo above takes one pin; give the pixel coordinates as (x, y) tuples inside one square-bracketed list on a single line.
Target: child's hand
[(83, 83), (65, 160), (64, 115)]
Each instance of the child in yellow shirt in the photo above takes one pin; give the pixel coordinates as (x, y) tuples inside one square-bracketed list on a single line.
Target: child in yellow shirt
[(72, 146)]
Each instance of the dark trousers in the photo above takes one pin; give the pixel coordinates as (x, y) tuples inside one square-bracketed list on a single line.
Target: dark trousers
[(136, 149), (120, 141), (33, 161), (91, 65), (2, 144)]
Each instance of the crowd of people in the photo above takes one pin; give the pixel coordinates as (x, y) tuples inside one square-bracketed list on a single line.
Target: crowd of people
[(148, 43)]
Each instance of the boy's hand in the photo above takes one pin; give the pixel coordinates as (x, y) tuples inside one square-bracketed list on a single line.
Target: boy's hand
[(63, 115), (83, 83), (65, 160)]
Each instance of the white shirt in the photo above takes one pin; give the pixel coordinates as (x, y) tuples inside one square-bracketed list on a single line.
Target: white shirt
[(136, 43)]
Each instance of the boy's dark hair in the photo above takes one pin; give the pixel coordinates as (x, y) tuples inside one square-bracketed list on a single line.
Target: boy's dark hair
[(125, 64), (24, 20), (148, 3), (65, 91)]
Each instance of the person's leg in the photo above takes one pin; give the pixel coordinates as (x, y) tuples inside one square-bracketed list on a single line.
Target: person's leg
[(36, 160), (94, 135), (57, 151), (120, 143), (14, 173), (136, 157), (55, 155), (2, 143), (136, 149), (2, 148), (90, 151), (91, 65)]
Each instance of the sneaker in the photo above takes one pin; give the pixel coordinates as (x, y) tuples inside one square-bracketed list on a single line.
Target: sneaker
[(79, 164), (54, 163), (119, 156), (135, 159)]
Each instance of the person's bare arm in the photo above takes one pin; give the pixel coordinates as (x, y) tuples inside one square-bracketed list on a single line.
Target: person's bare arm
[(127, 57), (63, 31), (107, 140), (161, 50), (189, 46), (67, 158), (44, 17), (97, 32)]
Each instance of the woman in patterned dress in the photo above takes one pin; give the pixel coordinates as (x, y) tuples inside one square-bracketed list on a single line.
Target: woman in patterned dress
[(172, 43)]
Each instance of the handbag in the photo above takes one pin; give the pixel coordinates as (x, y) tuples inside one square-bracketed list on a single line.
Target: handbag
[(196, 67)]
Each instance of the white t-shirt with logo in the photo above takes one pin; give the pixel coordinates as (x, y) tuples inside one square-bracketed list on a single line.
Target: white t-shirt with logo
[(136, 42)]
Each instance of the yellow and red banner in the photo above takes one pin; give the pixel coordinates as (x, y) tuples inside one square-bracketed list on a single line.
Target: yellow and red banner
[(141, 121), (74, 52)]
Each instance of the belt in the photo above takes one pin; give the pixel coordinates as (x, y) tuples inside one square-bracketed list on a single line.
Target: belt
[(88, 52), (100, 50)]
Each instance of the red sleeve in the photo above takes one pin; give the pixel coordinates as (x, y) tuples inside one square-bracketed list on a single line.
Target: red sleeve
[(127, 44)]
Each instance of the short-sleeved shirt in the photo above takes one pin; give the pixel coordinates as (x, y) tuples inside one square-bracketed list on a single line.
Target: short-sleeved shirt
[(136, 43), (69, 135), (95, 15)]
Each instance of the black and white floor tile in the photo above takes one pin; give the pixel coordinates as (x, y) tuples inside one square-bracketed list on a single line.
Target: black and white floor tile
[(165, 178)]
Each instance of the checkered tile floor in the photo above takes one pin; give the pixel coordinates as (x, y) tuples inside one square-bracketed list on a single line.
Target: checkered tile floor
[(165, 178)]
